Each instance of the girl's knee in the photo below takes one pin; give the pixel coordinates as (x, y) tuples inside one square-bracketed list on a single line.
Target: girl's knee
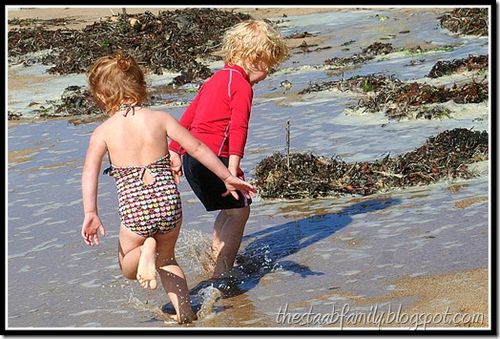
[(129, 274), (168, 260)]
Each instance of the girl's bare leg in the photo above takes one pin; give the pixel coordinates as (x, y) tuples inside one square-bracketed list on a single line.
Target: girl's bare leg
[(136, 256), (172, 277), (227, 238)]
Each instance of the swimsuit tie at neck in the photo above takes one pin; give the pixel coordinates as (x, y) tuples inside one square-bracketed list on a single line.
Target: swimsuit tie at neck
[(129, 108)]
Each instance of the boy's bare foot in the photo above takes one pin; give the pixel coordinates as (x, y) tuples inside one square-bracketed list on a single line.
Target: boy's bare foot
[(146, 270), (186, 318)]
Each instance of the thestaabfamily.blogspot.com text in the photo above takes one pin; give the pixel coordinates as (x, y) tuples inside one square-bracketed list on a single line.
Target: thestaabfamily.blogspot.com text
[(342, 316)]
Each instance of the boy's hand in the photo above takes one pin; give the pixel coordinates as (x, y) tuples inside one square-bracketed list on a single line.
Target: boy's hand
[(237, 172), (91, 224), (234, 184), (176, 166)]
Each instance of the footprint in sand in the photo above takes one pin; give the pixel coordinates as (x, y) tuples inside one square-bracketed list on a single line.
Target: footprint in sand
[(146, 270)]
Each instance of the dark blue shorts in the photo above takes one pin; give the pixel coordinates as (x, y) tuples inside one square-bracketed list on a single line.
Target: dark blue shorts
[(208, 187)]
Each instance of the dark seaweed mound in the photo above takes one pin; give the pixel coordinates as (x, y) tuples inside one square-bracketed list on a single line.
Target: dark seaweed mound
[(470, 63), (470, 21), (171, 40), (444, 156)]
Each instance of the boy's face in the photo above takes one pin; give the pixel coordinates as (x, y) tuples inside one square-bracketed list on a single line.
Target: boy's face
[(256, 76), (259, 73)]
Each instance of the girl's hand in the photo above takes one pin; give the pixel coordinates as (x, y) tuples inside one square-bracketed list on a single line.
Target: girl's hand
[(91, 224), (176, 166), (234, 184)]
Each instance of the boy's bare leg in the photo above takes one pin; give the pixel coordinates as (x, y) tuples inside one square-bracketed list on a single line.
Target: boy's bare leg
[(227, 239), (136, 256), (172, 277), (216, 237)]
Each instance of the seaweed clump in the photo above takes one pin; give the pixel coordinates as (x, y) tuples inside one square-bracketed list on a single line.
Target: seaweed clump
[(471, 63), (399, 100), (171, 40), (302, 175), (470, 21), (406, 100), (357, 83), (76, 101), (368, 53)]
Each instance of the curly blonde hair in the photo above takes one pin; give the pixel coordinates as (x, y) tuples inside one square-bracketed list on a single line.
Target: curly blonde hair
[(253, 43), (116, 79)]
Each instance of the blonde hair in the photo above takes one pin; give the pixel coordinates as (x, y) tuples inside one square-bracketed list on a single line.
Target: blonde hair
[(116, 79), (252, 42)]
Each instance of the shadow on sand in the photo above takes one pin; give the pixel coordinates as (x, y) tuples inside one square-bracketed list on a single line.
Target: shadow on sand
[(270, 247)]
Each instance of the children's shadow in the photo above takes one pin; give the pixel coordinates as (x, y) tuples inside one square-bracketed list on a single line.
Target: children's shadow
[(271, 245)]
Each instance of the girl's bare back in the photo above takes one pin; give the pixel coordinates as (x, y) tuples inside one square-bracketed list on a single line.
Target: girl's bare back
[(136, 139)]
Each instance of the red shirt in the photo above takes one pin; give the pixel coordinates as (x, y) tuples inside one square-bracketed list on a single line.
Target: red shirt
[(219, 114)]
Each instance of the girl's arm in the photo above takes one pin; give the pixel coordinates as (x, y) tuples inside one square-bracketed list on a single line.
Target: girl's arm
[(204, 154), (174, 148), (90, 174), (185, 120)]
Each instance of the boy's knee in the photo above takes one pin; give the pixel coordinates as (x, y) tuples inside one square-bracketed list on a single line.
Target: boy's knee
[(242, 213)]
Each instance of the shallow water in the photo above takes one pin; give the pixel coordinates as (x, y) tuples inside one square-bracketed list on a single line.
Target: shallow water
[(302, 253)]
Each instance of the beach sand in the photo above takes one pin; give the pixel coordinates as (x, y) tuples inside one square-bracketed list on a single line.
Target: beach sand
[(80, 17), (462, 294)]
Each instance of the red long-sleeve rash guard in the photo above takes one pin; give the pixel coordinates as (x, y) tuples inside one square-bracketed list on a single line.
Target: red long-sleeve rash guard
[(219, 114)]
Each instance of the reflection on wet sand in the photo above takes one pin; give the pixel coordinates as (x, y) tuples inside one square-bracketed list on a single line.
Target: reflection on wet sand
[(22, 156)]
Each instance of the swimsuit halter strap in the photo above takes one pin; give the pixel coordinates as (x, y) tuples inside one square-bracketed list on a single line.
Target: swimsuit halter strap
[(128, 109)]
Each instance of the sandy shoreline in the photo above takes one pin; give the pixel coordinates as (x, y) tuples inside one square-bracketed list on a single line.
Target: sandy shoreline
[(459, 292), (85, 16), (462, 295)]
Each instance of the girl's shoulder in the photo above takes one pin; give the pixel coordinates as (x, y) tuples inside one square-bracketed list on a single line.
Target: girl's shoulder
[(156, 116), (154, 113)]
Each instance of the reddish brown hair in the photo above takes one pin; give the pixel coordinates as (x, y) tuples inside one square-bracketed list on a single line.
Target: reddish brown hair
[(116, 79)]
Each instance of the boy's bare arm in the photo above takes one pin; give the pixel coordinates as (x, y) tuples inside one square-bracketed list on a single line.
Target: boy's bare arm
[(234, 166)]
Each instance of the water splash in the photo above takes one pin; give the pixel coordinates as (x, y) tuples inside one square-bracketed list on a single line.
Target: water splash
[(209, 296), (196, 247), (156, 310)]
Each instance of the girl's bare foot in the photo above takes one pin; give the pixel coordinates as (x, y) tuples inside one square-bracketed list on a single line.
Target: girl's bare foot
[(146, 270)]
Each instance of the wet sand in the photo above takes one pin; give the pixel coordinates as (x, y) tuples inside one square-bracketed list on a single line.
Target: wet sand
[(464, 294)]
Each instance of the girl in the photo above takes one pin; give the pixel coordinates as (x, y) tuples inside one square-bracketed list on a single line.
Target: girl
[(135, 139), (219, 117)]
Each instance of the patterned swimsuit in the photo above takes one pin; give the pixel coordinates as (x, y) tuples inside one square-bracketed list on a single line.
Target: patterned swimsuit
[(147, 209)]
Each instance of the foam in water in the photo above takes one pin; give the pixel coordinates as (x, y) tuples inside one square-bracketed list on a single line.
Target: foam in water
[(209, 296), (196, 248), (157, 311)]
